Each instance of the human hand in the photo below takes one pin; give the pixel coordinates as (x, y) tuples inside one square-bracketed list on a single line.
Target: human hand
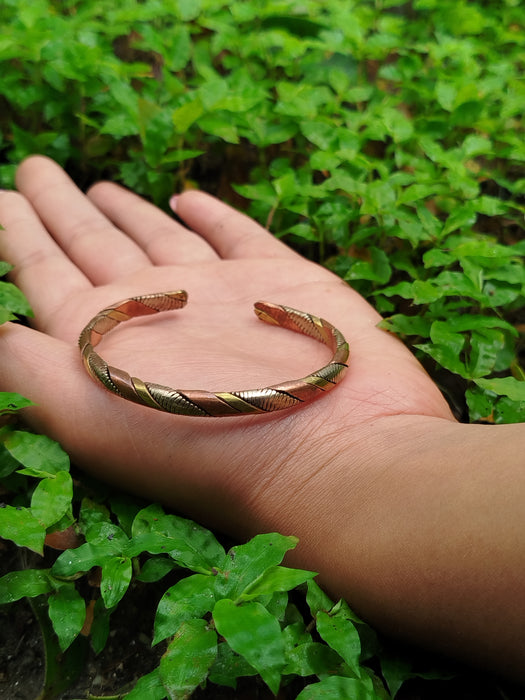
[(397, 506), (75, 254)]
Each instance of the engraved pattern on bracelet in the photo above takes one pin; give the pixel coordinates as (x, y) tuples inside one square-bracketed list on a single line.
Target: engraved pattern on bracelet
[(194, 402)]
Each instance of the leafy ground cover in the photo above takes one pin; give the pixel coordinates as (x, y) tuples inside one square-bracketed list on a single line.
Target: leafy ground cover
[(383, 139)]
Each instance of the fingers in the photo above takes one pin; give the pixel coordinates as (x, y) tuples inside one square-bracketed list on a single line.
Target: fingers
[(42, 271), (163, 240), (86, 236), (232, 234)]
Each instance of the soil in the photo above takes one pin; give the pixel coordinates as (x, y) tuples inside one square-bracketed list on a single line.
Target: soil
[(127, 656), (21, 654)]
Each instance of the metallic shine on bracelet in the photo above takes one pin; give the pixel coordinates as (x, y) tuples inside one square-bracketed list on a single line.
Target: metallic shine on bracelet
[(204, 403)]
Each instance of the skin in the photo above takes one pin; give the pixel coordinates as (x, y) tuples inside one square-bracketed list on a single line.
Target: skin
[(415, 519)]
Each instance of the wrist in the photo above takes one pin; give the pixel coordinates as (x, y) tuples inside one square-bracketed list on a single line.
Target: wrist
[(409, 522)]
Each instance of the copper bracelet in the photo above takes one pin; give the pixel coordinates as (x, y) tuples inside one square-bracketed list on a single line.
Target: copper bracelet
[(204, 403)]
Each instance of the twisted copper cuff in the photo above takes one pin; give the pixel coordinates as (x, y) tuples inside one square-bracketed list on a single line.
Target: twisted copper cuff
[(204, 403)]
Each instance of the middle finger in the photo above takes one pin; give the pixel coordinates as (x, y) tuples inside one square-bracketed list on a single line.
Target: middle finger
[(163, 240)]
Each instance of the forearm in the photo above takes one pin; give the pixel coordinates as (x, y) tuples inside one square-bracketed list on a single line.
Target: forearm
[(427, 539)]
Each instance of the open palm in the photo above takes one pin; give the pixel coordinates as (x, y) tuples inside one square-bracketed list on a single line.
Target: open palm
[(75, 254)]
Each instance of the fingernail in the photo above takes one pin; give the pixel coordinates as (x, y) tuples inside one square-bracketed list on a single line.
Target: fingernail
[(173, 202)]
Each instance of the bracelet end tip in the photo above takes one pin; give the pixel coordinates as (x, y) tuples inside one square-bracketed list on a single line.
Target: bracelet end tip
[(267, 312)]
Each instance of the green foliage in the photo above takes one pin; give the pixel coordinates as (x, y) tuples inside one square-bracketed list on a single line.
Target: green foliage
[(229, 615), (383, 139), (231, 618)]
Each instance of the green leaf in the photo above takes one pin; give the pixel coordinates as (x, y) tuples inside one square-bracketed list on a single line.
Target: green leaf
[(12, 402), (490, 206), (378, 197), (67, 611), (5, 267), (419, 291), (320, 133), (504, 386), (189, 598), (116, 577), (52, 497), (155, 568), (188, 9), (85, 557), (395, 670), (12, 299), (220, 124), (265, 133), (180, 155), (190, 545), (6, 315), (21, 526), (149, 687), (262, 191), (312, 658), (286, 185), (411, 230), (245, 563), (418, 191), (445, 356), (397, 124), (253, 632), (92, 515), (339, 632), (105, 531), (317, 599), (461, 217), (446, 347), (446, 95), (274, 579), (485, 348), (425, 292), (340, 688), (228, 666), (376, 269), (62, 669), (26, 583), (471, 322), (441, 333), (190, 654), (184, 116), (146, 111), (406, 325), (39, 455), (480, 404), (509, 411), (8, 464)]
